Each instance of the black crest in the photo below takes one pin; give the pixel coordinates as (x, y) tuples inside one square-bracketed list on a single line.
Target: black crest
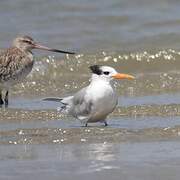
[(96, 69)]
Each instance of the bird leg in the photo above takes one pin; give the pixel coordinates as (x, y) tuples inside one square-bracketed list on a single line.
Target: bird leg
[(6, 98), (1, 101), (105, 123)]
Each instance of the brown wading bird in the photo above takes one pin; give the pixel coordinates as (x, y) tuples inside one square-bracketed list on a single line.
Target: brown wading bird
[(17, 62)]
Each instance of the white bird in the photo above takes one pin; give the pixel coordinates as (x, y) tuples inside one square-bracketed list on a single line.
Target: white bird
[(94, 102)]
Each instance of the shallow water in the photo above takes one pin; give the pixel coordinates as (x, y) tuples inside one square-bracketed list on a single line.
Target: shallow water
[(142, 140), (97, 161), (92, 25)]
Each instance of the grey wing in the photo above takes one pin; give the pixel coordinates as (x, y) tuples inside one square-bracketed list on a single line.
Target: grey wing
[(81, 106)]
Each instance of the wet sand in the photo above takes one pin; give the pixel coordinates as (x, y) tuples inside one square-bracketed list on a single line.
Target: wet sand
[(141, 142)]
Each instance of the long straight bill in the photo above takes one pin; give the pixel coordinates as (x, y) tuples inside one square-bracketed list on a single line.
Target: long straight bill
[(38, 46)]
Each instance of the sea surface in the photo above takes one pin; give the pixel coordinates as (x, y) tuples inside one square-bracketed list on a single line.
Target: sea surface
[(142, 141)]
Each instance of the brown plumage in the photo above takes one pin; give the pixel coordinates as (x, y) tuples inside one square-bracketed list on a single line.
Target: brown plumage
[(17, 62), (14, 64)]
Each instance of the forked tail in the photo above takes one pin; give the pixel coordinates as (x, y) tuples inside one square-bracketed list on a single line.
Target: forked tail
[(53, 99), (66, 102), (62, 108)]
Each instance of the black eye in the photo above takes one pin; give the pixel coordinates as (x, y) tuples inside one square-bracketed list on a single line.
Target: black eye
[(106, 72), (28, 42)]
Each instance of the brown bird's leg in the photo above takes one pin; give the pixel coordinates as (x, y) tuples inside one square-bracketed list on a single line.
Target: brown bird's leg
[(105, 123), (1, 101), (6, 98)]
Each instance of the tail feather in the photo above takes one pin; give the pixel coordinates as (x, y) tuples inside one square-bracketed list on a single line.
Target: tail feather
[(53, 99), (66, 102)]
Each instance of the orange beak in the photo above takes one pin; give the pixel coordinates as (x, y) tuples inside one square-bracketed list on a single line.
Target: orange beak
[(123, 76)]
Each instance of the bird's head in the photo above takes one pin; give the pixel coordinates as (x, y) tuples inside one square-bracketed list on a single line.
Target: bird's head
[(26, 43), (108, 73)]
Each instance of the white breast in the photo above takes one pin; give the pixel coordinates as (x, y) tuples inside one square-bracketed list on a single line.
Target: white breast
[(103, 98)]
